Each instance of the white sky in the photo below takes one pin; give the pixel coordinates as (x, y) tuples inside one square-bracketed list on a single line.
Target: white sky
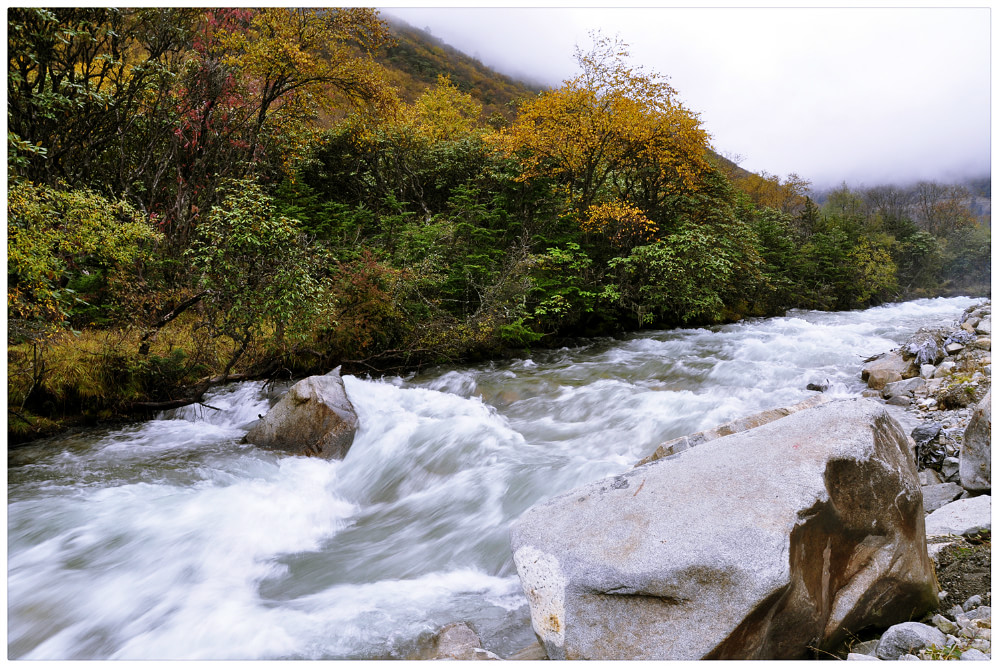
[(865, 95)]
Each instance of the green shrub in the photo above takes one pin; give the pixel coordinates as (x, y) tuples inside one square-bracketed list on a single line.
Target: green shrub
[(64, 245)]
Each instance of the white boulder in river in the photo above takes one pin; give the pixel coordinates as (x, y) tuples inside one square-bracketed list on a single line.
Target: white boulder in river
[(314, 418), (757, 545)]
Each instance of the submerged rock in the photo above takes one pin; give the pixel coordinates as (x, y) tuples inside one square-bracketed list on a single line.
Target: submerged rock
[(314, 418), (458, 642), (757, 545)]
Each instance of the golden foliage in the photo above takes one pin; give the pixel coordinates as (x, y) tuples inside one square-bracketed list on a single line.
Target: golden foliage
[(53, 234), (300, 64), (624, 225), (311, 52), (441, 113), (768, 190), (445, 113), (612, 127)]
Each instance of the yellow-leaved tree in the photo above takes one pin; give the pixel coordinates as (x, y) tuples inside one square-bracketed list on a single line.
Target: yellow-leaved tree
[(299, 63), (769, 190), (613, 133), (444, 113)]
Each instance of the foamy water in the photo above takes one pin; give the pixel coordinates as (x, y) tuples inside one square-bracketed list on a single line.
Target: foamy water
[(172, 540)]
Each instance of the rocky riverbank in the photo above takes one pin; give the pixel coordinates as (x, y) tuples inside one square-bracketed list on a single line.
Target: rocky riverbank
[(943, 399)]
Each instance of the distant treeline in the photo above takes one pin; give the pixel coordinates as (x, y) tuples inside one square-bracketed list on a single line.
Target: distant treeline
[(200, 195)]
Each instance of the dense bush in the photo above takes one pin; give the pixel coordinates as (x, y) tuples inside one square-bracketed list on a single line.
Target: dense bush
[(72, 255)]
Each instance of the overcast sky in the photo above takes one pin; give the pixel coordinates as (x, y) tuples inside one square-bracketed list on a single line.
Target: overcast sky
[(865, 95)]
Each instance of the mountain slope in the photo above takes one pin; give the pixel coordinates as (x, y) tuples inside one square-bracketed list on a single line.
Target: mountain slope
[(418, 57)]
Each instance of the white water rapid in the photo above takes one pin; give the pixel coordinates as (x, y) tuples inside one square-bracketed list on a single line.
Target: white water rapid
[(172, 540)]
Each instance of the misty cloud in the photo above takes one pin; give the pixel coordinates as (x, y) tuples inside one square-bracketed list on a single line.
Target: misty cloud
[(865, 95)]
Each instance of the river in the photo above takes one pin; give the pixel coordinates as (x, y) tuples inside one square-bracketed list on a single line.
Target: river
[(170, 539)]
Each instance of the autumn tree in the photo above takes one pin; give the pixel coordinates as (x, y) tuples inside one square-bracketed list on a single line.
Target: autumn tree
[(624, 225), (255, 88), (941, 209), (299, 62), (706, 264), (160, 105), (890, 202), (770, 190), (68, 251), (843, 201), (613, 132), (89, 93)]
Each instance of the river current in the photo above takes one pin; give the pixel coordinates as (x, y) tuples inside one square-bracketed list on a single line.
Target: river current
[(170, 539)]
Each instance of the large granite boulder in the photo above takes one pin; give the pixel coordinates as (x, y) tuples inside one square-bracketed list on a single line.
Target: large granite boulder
[(757, 545), (676, 445), (976, 448), (314, 418)]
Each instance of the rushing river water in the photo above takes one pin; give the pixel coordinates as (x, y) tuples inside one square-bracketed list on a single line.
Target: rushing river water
[(172, 540)]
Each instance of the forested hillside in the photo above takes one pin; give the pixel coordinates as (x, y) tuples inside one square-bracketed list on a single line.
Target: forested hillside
[(417, 59), (199, 195)]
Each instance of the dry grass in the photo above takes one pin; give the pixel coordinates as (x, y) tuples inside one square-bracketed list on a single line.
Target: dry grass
[(97, 374)]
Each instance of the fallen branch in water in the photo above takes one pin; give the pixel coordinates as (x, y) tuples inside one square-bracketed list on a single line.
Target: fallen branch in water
[(197, 391), (164, 405)]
